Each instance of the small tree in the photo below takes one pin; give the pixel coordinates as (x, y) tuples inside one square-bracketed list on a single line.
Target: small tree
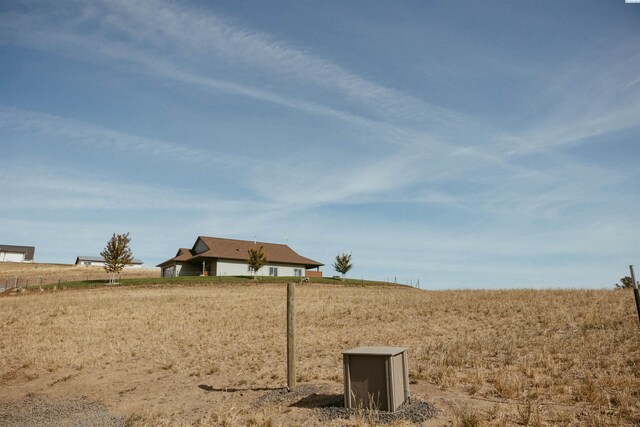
[(117, 254), (625, 283), (343, 264), (257, 260)]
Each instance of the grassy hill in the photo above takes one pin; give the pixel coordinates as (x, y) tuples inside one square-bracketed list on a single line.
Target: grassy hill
[(222, 280), (73, 276)]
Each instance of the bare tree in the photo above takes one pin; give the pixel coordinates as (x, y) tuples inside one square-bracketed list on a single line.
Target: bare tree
[(117, 254)]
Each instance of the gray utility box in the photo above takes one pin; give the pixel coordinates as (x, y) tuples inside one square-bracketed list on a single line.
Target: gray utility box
[(376, 377)]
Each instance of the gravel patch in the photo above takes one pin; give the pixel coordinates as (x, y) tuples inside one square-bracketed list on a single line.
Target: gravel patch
[(329, 405), (82, 412), (414, 411)]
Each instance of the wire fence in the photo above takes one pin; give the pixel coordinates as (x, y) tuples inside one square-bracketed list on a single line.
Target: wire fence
[(414, 283), (38, 281), (28, 282)]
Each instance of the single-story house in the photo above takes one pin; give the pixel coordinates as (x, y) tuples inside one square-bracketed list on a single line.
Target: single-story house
[(12, 253), (214, 256), (98, 261)]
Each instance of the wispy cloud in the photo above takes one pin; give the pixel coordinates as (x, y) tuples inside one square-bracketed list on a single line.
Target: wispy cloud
[(160, 23), (182, 43), (179, 43), (46, 188), (38, 125), (592, 96), (163, 39), (260, 175)]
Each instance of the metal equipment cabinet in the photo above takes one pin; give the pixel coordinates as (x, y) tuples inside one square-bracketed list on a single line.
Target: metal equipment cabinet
[(376, 377)]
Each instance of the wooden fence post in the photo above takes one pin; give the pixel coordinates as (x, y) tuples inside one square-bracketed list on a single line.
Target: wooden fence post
[(635, 290), (291, 335)]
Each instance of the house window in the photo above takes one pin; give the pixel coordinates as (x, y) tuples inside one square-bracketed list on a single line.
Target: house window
[(273, 271), (297, 272), (87, 262), (250, 269)]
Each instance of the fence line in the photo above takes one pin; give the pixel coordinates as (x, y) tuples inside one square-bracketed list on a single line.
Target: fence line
[(399, 281), (35, 282)]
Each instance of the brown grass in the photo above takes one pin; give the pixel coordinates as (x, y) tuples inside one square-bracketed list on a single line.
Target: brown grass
[(482, 357)]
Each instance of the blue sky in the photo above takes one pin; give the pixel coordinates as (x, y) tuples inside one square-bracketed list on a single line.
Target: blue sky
[(465, 144)]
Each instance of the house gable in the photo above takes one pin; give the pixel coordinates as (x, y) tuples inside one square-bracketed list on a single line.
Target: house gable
[(200, 246)]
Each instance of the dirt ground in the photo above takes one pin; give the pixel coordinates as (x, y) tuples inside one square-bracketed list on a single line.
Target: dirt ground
[(215, 355)]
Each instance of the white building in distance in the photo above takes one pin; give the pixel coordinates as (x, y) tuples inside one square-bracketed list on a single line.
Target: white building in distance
[(96, 261), (12, 253)]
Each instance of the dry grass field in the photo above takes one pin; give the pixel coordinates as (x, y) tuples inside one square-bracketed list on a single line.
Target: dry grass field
[(204, 355)]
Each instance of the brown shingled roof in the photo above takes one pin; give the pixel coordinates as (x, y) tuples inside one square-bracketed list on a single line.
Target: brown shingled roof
[(239, 250), (184, 254)]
